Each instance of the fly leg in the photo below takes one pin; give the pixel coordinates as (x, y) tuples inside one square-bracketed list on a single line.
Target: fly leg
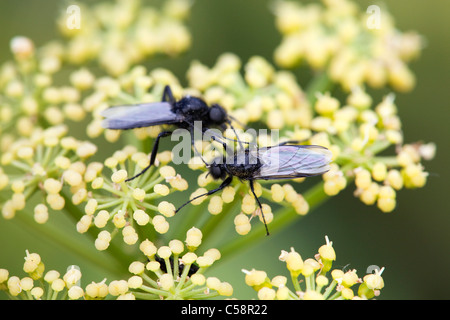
[(260, 206), (168, 95), (288, 142), (153, 154), (223, 185)]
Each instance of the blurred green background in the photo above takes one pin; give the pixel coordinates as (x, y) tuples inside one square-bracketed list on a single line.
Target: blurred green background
[(413, 242)]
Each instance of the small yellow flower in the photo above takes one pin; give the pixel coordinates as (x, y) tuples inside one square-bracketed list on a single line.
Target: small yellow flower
[(118, 287), (119, 176), (166, 208), (75, 293), (22, 47), (311, 281), (294, 262), (266, 293), (161, 189), (255, 278), (215, 205), (193, 237), (103, 240), (160, 224), (136, 267), (40, 213), (242, 224)]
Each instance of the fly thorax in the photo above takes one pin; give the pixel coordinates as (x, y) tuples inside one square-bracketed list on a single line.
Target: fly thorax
[(193, 106), (244, 165)]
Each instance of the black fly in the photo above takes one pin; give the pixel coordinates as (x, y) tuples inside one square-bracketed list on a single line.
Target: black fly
[(283, 161), (182, 113)]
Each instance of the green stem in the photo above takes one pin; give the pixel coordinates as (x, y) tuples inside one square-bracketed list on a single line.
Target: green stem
[(146, 296), (175, 266), (21, 166), (149, 280), (329, 289), (152, 181), (183, 277), (296, 283), (154, 291), (188, 287), (109, 204), (199, 293), (127, 98), (335, 295), (310, 282), (389, 161), (201, 296), (106, 186), (378, 146), (54, 295), (168, 266), (283, 217), (29, 296), (149, 206)]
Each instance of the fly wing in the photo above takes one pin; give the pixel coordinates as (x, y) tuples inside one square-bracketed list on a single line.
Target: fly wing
[(139, 115), (289, 161)]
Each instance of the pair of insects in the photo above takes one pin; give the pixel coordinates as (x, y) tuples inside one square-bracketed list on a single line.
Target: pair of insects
[(282, 161)]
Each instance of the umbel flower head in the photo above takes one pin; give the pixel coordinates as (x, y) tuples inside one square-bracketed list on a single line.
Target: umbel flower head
[(29, 96), (174, 271), (312, 280), (45, 162), (42, 284), (361, 135), (350, 45), (112, 204), (120, 34)]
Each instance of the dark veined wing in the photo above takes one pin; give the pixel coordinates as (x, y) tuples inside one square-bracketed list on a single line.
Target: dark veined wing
[(292, 161), (139, 115)]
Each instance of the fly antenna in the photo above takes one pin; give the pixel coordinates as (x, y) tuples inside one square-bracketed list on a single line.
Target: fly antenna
[(235, 120), (223, 185)]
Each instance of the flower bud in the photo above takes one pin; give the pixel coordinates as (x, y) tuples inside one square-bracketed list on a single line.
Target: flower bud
[(161, 189), (256, 279), (193, 237), (160, 224), (139, 194), (166, 281), (266, 293), (119, 176), (242, 224), (294, 262), (141, 217), (166, 208), (176, 246)]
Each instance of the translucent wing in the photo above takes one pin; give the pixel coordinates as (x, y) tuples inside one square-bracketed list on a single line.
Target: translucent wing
[(289, 161), (139, 115)]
